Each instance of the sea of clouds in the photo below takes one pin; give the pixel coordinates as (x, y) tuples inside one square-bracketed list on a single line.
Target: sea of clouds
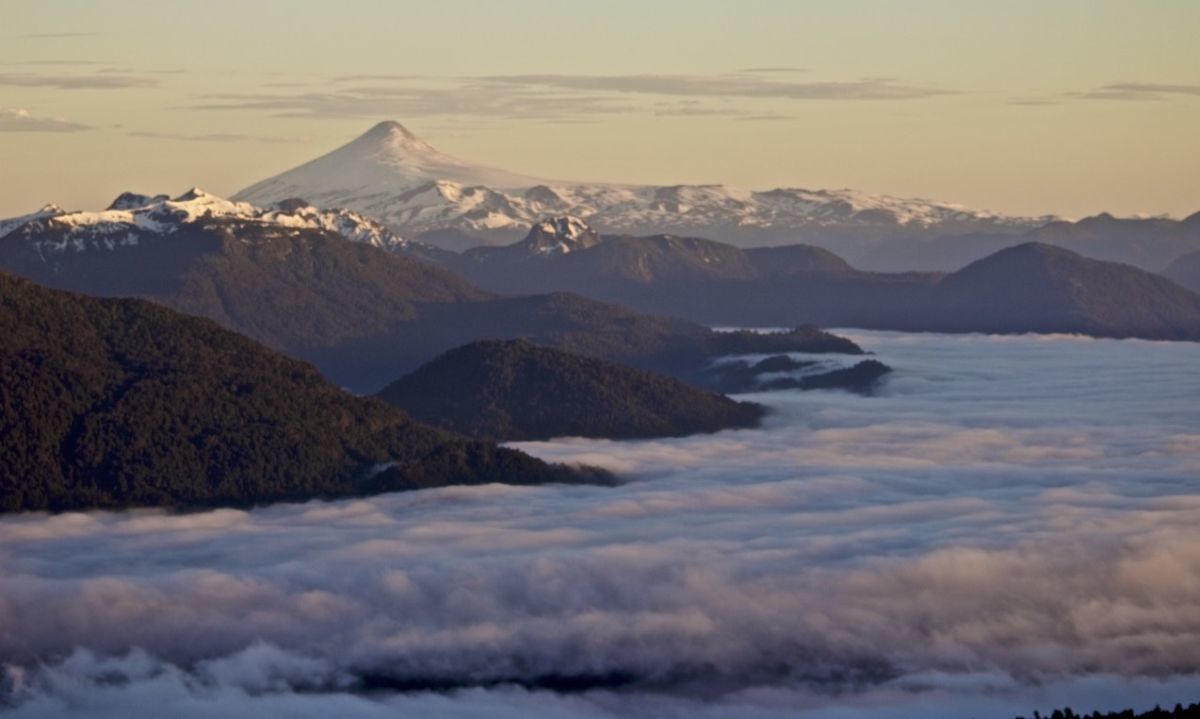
[(1012, 523)]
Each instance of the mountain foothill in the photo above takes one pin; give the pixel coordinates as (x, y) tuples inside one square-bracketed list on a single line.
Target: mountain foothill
[(197, 351)]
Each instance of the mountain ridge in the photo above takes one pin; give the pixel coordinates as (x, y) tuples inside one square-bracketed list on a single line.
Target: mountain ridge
[(423, 194), (362, 313), (1148, 243), (1031, 287), (132, 214)]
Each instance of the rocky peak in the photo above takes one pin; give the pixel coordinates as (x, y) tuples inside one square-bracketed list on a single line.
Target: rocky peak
[(560, 235)]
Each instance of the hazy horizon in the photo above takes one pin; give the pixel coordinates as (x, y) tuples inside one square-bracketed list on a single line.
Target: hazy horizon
[(1071, 109)]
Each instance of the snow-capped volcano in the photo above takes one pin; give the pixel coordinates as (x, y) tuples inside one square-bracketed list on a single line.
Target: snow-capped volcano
[(387, 160), (132, 218), (414, 189)]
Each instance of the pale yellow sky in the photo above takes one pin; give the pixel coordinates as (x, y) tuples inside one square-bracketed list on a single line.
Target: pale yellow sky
[(1070, 107)]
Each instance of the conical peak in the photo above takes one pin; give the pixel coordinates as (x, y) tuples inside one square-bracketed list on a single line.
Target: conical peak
[(388, 159), (193, 194), (389, 129), (392, 137)]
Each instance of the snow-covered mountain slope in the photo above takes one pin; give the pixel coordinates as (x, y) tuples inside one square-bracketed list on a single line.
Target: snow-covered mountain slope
[(12, 223), (387, 160), (133, 217), (390, 174)]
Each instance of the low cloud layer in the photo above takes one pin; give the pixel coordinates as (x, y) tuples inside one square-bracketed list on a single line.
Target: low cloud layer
[(1011, 525)]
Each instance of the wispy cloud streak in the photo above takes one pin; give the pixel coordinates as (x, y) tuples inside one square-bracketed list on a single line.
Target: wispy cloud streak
[(99, 81), (211, 137), (1139, 91), (726, 86)]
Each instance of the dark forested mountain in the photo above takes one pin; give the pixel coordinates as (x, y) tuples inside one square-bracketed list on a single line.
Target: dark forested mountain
[(291, 279), (1042, 288), (1185, 270), (114, 403), (516, 390), (1148, 243), (1028, 288), (794, 260)]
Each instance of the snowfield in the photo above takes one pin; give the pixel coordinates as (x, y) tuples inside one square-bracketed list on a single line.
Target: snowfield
[(413, 188)]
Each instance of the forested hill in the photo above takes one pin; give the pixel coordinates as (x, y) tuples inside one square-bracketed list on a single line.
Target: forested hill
[(117, 403), (516, 390)]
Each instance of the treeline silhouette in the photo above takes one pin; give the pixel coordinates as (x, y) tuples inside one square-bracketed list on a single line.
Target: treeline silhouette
[(1191, 711)]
